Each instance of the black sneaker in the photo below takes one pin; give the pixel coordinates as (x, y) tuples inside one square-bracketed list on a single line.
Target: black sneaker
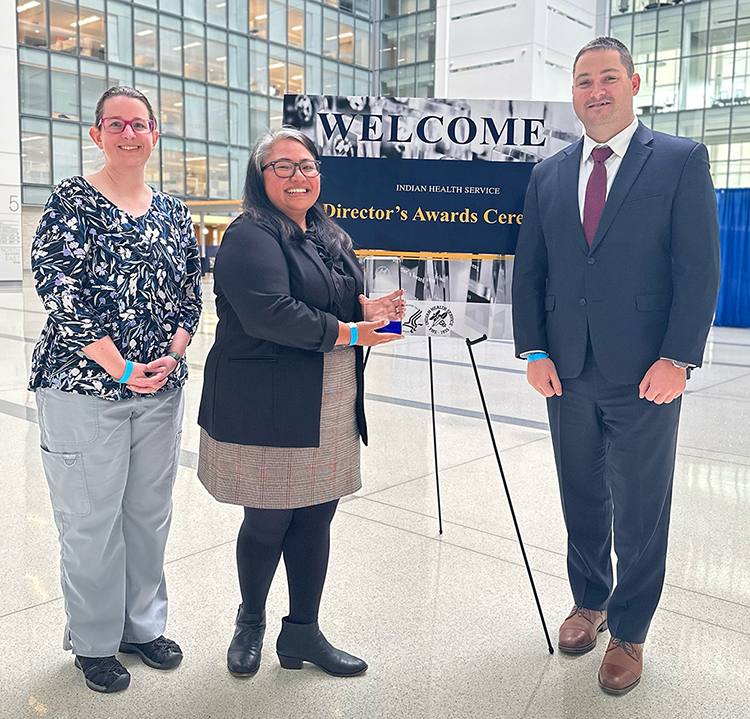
[(103, 674), (161, 653)]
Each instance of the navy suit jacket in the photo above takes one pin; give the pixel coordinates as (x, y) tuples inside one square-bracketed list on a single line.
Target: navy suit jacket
[(647, 286)]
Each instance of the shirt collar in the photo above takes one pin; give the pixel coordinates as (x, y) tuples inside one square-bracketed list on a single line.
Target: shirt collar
[(619, 143)]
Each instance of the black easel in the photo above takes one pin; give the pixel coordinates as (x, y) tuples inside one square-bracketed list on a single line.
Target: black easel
[(469, 345)]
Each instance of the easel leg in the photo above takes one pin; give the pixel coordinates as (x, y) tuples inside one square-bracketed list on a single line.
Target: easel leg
[(469, 344), (367, 356), (434, 437)]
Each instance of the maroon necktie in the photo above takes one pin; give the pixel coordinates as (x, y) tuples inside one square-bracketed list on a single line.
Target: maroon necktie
[(596, 192)]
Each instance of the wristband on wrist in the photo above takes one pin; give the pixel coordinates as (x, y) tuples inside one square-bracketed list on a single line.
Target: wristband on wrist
[(354, 333), (174, 356), (537, 356), (128, 371)]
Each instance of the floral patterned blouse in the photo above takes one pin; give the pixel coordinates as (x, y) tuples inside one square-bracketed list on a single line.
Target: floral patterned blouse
[(103, 272)]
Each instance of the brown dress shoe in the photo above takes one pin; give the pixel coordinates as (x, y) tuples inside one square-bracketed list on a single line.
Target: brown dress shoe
[(622, 667), (579, 631)]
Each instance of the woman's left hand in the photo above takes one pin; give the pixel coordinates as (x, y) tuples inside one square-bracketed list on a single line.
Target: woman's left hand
[(161, 368), (388, 307)]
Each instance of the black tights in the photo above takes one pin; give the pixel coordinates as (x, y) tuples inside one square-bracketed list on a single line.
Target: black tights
[(303, 535)]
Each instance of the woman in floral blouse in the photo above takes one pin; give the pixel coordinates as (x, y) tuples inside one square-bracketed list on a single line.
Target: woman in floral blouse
[(117, 266)]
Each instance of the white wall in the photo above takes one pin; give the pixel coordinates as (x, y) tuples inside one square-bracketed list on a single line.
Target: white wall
[(10, 168), (534, 40)]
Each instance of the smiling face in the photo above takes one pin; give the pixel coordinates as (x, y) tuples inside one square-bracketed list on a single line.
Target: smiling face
[(294, 195), (125, 150), (603, 93)]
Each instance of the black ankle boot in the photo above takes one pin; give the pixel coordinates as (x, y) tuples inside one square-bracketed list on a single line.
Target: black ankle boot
[(305, 642), (243, 655)]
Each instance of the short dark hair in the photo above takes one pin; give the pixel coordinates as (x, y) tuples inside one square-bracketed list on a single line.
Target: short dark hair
[(256, 204), (608, 43), (122, 91)]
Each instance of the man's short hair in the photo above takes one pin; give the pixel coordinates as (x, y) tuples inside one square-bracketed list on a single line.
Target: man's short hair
[(608, 43)]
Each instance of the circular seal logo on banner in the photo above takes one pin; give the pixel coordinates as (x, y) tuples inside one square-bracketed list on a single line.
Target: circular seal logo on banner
[(439, 320)]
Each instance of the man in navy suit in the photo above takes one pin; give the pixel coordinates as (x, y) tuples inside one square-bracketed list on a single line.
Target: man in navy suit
[(614, 288)]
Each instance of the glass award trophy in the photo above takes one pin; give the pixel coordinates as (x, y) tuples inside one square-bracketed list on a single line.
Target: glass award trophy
[(383, 278)]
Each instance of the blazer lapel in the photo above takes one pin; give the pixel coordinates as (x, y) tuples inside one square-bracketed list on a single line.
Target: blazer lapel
[(632, 164), (568, 169), (309, 249)]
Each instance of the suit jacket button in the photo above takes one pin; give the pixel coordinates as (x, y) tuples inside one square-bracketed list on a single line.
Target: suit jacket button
[(590, 261), (582, 302)]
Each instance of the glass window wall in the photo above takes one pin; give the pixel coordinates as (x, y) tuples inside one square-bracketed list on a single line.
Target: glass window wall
[(65, 87), (216, 47), (33, 79), (66, 150), (172, 106), (196, 164), (313, 75), (218, 168), (195, 9), (170, 45), (346, 41), (258, 66), (194, 48), (296, 23), (145, 39), (91, 29), (120, 75), (218, 115), (148, 84), (259, 18), (238, 60), (63, 26), (330, 34), (258, 118), (120, 32), (238, 15), (239, 118), (32, 22), (238, 159), (216, 12), (36, 166), (93, 85), (277, 74), (277, 21), (313, 28), (362, 46), (173, 166), (195, 110)]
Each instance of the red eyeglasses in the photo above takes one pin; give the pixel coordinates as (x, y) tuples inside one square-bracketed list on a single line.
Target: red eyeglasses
[(116, 125)]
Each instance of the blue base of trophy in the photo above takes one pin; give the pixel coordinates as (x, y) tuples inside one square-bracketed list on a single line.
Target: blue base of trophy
[(393, 327)]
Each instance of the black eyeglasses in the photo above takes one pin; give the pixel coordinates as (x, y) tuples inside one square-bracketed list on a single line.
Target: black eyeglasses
[(287, 168)]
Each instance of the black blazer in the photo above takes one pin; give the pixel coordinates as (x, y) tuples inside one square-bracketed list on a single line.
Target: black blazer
[(648, 285), (263, 381)]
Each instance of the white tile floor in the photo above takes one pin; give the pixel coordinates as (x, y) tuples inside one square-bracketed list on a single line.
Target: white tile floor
[(447, 623)]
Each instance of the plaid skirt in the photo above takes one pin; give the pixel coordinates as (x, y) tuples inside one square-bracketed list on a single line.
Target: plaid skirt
[(292, 477)]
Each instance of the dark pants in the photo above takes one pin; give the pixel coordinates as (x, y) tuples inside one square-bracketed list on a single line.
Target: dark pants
[(303, 536), (615, 457)]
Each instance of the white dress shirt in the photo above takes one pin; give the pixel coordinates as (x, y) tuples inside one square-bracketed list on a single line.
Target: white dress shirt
[(619, 145)]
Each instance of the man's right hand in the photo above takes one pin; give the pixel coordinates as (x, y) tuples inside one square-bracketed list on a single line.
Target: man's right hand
[(542, 376)]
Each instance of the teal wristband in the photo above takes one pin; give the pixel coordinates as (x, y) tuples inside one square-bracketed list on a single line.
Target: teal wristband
[(537, 356), (354, 333), (128, 372)]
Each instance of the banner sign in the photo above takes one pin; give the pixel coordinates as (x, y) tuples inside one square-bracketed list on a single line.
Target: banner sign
[(382, 184)]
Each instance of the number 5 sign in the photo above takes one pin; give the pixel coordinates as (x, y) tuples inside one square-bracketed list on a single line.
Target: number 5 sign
[(11, 268)]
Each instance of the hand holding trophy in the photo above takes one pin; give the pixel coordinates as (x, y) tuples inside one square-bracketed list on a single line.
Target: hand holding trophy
[(385, 299)]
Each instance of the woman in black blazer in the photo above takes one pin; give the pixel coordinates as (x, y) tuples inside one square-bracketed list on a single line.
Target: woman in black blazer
[(282, 410)]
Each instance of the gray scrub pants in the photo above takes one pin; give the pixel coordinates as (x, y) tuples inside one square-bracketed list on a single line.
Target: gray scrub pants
[(110, 466)]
